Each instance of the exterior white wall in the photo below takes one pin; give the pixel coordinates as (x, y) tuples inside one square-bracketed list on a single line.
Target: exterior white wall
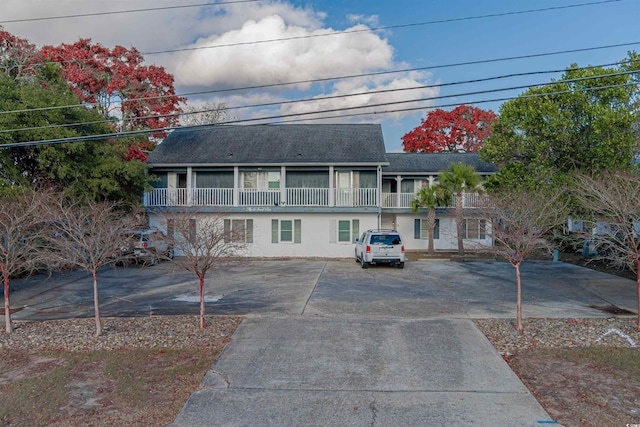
[(316, 230), (447, 239)]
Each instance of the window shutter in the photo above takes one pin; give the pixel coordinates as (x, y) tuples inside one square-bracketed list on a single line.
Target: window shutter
[(249, 231), (416, 228), (297, 231), (436, 230), (274, 231), (227, 230), (355, 230), (332, 231)]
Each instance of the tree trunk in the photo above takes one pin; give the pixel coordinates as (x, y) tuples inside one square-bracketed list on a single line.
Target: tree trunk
[(95, 304), (638, 282), (201, 301), (519, 327), (459, 219), (7, 306), (432, 227)]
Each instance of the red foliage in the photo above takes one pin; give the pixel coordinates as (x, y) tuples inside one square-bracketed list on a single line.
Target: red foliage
[(141, 96), (462, 130), (18, 57)]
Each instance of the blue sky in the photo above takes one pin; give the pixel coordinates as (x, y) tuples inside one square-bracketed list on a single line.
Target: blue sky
[(348, 53)]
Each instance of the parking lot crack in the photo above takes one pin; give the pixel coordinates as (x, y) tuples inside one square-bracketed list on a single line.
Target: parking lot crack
[(315, 285)]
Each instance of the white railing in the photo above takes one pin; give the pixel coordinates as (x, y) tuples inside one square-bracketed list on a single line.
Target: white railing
[(356, 197), (253, 197), (404, 200), (397, 200), (308, 196)]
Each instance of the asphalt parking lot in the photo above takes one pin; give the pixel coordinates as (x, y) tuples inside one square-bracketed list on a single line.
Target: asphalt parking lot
[(326, 342), (423, 289)]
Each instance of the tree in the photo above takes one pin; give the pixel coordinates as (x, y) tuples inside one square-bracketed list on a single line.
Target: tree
[(520, 223), (461, 130), (109, 77), (206, 114), (18, 57), (456, 180), (582, 122), (613, 201), (202, 244), (20, 233), (99, 169), (89, 235), (430, 198)]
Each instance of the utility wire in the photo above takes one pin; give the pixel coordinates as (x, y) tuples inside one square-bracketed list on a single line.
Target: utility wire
[(378, 73), (279, 117), (389, 27), (602, 76), (116, 12)]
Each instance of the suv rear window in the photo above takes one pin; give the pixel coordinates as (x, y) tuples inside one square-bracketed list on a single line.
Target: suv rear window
[(385, 239)]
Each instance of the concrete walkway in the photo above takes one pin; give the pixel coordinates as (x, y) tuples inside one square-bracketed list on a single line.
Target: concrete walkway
[(313, 371)]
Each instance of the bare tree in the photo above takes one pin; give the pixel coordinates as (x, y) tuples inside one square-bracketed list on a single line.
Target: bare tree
[(520, 222), (206, 114), (204, 243), (21, 234), (89, 235), (611, 202)]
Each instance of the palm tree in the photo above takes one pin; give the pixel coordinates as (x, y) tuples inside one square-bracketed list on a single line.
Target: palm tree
[(430, 198), (456, 180)]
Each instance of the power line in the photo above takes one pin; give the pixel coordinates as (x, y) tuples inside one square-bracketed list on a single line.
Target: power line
[(116, 12), (389, 27), (325, 79), (360, 94), (279, 117)]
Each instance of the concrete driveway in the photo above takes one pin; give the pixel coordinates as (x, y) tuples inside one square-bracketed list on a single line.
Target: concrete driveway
[(328, 343)]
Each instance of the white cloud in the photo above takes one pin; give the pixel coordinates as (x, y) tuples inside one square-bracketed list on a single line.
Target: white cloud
[(308, 54), (396, 93), (371, 20)]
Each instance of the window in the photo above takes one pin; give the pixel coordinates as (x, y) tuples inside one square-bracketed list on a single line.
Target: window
[(474, 228), (421, 229), (286, 231), (347, 232), (238, 230), (261, 180), (184, 228)]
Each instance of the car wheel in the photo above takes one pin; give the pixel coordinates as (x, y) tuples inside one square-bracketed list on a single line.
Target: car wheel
[(362, 263), (401, 265)]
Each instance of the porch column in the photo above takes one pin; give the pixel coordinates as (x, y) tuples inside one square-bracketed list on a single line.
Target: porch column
[(432, 180), (283, 181), (236, 185), (190, 192), (398, 190), (332, 191)]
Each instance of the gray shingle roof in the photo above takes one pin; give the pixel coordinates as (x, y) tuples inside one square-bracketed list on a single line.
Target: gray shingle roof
[(434, 162), (272, 144)]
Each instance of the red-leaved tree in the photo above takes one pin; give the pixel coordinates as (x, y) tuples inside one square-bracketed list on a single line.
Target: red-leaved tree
[(461, 130), (18, 57), (120, 86)]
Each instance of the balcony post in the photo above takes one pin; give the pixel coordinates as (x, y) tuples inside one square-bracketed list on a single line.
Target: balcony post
[(236, 191), (283, 186), (398, 191), (332, 190)]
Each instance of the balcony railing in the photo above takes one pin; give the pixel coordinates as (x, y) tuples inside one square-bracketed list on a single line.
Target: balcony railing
[(404, 200), (251, 197)]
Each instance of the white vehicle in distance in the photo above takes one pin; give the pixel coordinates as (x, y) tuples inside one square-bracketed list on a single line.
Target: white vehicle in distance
[(147, 245), (380, 247)]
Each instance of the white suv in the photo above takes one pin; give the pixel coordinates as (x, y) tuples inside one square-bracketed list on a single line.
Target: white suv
[(147, 245), (380, 247)]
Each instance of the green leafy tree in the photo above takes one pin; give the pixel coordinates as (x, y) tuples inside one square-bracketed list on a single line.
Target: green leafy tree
[(97, 169), (582, 122), (456, 180), (430, 198)]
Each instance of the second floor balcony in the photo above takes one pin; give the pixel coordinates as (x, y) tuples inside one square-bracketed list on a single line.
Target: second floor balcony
[(230, 197), (405, 200)]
